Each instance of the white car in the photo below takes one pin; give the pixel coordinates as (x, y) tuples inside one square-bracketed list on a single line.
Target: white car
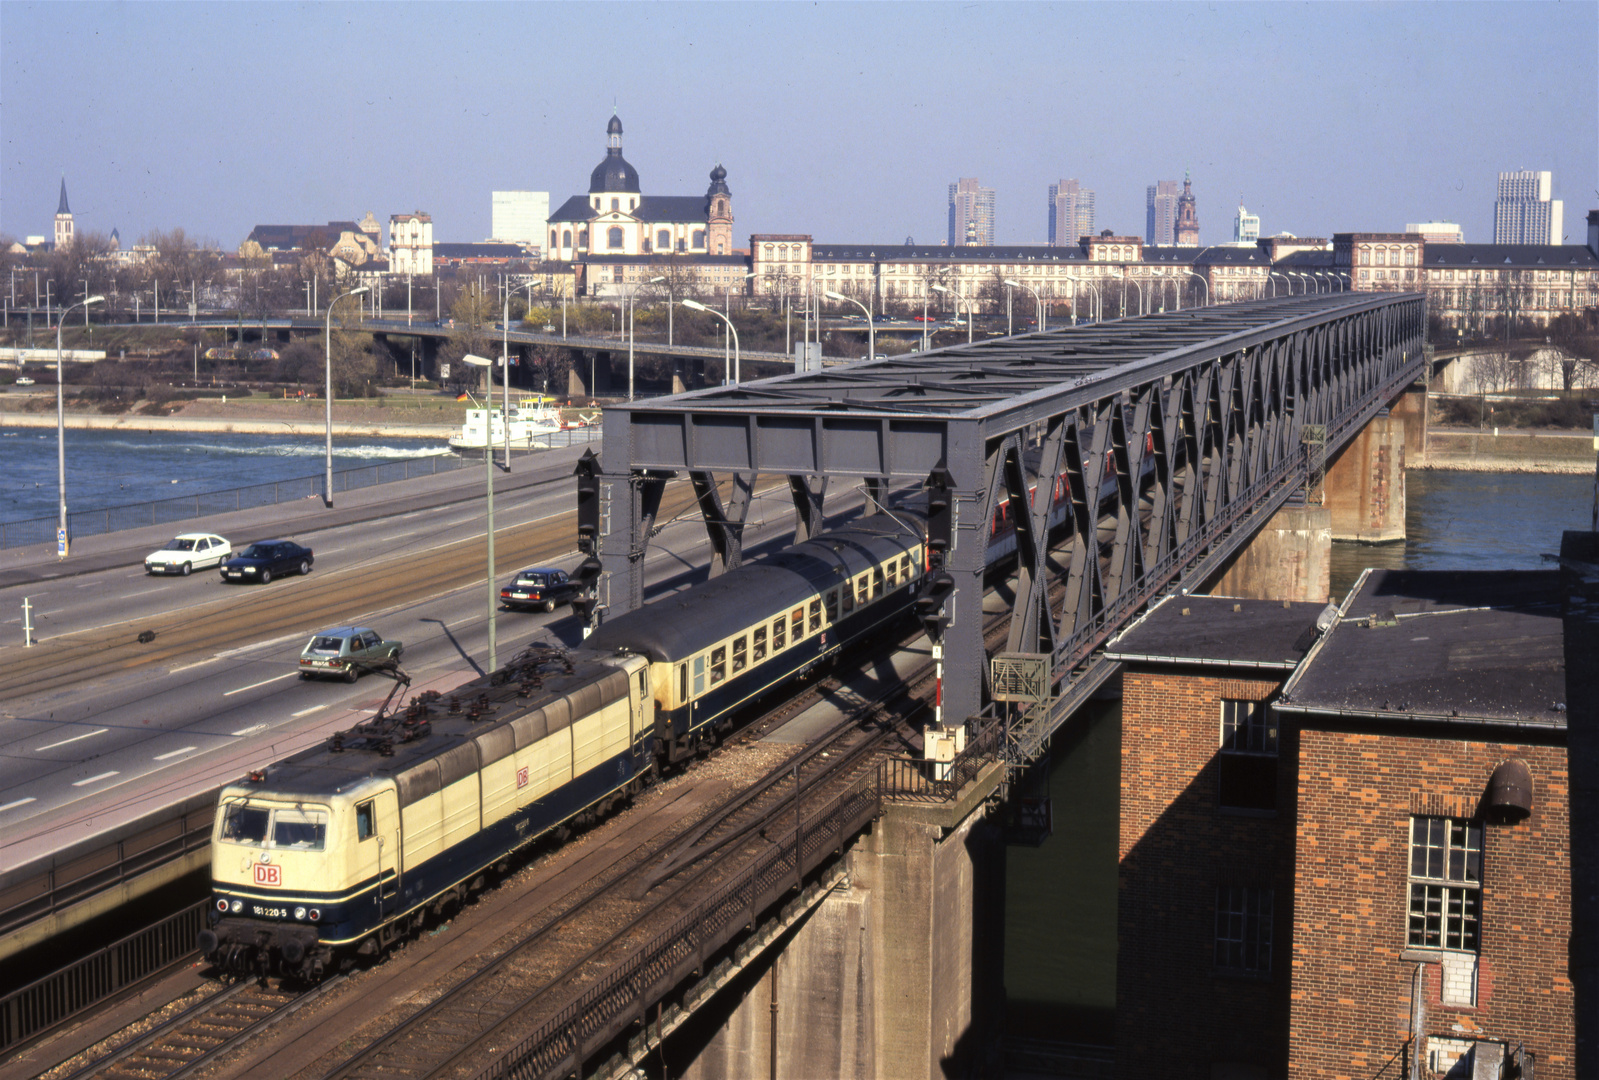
[(189, 551), (24, 381)]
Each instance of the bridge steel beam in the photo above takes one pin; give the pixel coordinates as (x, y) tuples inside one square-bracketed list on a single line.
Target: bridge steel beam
[(1138, 454)]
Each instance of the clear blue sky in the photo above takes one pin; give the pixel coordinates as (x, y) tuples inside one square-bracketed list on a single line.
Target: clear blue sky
[(846, 121)]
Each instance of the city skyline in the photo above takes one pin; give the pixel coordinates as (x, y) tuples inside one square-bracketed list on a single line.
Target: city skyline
[(179, 139)]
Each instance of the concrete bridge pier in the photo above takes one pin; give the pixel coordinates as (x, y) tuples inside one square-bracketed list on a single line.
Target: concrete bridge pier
[(1365, 488), (896, 974), (590, 373), (1289, 559)]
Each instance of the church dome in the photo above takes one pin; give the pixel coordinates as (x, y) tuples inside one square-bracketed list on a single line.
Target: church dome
[(718, 181), (613, 174)]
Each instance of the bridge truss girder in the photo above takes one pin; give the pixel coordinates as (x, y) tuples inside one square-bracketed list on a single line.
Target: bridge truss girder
[(1175, 437)]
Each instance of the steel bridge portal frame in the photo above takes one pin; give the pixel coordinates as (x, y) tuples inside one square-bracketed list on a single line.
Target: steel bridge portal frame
[(1176, 435)]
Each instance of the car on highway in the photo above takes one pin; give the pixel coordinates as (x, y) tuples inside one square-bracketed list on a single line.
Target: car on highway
[(538, 587), (266, 559), (24, 380), (188, 551), (346, 651)]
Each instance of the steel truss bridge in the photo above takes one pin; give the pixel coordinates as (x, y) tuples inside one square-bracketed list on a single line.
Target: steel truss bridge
[(1177, 436)]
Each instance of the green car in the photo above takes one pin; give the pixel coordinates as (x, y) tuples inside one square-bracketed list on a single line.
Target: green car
[(345, 650)]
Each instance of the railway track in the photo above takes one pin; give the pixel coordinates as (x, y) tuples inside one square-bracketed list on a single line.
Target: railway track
[(201, 1033)]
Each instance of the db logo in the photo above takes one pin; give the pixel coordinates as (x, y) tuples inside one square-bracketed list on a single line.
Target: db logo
[(269, 875), (521, 777)]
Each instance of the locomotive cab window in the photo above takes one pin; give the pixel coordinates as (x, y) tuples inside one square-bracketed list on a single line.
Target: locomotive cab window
[(779, 633), (740, 653), (245, 824), (304, 830), (718, 664), (758, 644), (364, 825)]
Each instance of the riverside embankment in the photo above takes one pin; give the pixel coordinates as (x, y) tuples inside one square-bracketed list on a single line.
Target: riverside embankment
[(1508, 451)]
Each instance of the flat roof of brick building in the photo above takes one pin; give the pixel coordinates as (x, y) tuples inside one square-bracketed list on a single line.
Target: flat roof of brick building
[(1477, 646), (1220, 630)]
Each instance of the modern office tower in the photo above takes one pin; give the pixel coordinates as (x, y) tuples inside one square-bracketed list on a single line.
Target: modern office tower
[(1160, 217), (1071, 213), (1438, 232), (971, 214), (1246, 226), (520, 217), (1524, 213), (1187, 228)]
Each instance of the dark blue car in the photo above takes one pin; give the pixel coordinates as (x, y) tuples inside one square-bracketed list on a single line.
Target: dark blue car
[(266, 559)]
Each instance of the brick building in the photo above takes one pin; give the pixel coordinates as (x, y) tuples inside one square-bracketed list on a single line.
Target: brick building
[(1206, 852), (1361, 865)]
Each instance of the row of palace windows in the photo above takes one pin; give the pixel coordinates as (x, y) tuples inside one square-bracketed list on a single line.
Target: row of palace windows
[(615, 239)]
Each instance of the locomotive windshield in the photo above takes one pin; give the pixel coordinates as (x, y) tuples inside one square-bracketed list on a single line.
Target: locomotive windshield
[(296, 828)]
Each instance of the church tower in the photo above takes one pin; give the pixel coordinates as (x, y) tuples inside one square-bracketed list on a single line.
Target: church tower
[(64, 229), (719, 214), (1187, 231)]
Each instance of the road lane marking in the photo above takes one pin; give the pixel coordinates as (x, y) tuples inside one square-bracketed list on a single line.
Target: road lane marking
[(306, 712), (251, 730), (292, 636), (175, 753), (332, 551), (263, 682), (197, 663), (17, 803), (94, 779), (145, 592), (75, 738)]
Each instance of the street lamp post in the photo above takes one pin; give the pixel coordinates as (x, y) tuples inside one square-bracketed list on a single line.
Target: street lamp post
[(488, 493), (61, 433), (958, 298), (505, 380), (871, 327), (695, 305), (1274, 274), (1140, 287), (1203, 282), (669, 299), (1038, 301), (327, 393)]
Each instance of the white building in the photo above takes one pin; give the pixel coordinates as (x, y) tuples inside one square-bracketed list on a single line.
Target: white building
[(520, 217), (411, 244), (1438, 232), (1525, 213), (1246, 226)]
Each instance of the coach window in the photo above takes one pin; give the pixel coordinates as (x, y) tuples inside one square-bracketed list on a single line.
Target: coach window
[(862, 595), (699, 675), (905, 567), (796, 620), (877, 582), (816, 615), (363, 820), (741, 653), (847, 597), (718, 664), (779, 633), (758, 644), (682, 683), (832, 605)]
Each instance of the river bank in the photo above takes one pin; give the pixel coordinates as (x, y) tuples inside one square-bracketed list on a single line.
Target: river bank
[(1508, 451)]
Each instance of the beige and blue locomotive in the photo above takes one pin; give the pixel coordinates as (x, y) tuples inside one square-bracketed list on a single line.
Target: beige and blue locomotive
[(345, 847)]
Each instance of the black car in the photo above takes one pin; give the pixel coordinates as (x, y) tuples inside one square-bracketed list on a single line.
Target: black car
[(538, 587), (266, 559)]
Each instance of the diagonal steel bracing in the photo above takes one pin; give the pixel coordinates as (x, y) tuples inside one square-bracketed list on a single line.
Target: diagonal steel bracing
[(1132, 456)]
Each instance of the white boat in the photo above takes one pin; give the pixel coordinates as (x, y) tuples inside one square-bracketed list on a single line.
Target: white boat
[(530, 419)]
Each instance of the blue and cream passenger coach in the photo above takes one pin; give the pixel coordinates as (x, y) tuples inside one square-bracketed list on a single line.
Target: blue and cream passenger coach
[(728, 641)]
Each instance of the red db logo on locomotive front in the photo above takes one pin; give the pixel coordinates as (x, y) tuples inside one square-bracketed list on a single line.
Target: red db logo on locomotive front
[(269, 875), (521, 777)]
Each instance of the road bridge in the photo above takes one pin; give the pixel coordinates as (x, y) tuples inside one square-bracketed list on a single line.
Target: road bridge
[(1190, 426)]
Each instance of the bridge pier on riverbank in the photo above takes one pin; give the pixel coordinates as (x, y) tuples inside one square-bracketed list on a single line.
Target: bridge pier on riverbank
[(1289, 559), (896, 973)]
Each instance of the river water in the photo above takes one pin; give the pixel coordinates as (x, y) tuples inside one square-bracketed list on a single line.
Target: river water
[(116, 468), (1060, 918)]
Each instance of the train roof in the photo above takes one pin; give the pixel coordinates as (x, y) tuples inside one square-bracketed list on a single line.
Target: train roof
[(431, 744), (685, 623)]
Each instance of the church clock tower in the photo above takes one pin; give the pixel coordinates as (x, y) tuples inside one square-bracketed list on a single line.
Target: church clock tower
[(1187, 230), (719, 214), (65, 232)]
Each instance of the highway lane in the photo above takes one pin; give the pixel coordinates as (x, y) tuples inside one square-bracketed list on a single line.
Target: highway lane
[(84, 743)]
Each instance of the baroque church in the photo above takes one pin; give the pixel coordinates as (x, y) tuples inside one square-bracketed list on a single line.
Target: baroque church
[(616, 219)]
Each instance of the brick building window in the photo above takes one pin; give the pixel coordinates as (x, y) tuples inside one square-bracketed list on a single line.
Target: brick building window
[(1247, 763), (1243, 929), (1445, 882)]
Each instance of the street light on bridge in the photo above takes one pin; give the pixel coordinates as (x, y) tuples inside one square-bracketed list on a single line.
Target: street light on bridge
[(871, 327), (1038, 301), (327, 393), (488, 492), (695, 305), (61, 430)]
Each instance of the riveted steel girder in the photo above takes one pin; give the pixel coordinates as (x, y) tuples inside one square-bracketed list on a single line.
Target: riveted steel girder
[(1131, 455)]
